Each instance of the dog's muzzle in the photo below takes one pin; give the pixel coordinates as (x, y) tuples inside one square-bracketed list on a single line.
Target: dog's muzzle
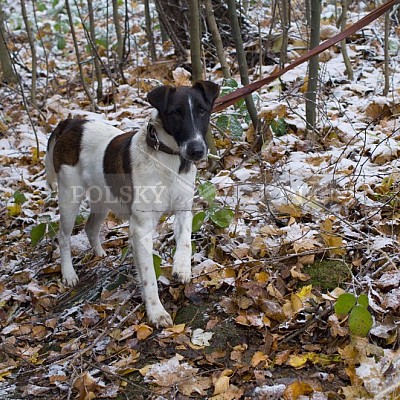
[(194, 150)]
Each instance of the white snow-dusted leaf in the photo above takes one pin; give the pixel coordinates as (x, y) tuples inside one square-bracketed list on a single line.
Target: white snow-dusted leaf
[(201, 337)]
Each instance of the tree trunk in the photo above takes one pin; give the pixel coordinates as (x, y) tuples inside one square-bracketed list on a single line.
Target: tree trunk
[(312, 81), (308, 12), (9, 75), (212, 24), (386, 66), (45, 54), (195, 40), (33, 52), (346, 59), (120, 40), (164, 34), (241, 56), (285, 22), (179, 48), (78, 57), (149, 31), (97, 66)]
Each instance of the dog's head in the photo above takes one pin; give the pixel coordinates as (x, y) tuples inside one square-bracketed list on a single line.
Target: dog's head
[(185, 114)]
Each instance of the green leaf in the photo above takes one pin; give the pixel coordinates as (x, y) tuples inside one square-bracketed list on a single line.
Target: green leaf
[(37, 233), (52, 229), (102, 42), (363, 300), (198, 220), (223, 122), (360, 321), (157, 265), (222, 217), (19, 198), (230, 123), (345, 303), (228, 86), (277, 44), (125, 252), (278, 126), (235, 127), (41, 6), (79, 220), (208, 192), (61, 42)]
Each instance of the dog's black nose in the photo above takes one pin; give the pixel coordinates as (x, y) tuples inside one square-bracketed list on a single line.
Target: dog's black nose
[(196, 150)]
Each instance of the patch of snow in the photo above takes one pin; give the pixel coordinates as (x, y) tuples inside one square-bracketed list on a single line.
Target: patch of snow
[(274, 392), (80, 242)]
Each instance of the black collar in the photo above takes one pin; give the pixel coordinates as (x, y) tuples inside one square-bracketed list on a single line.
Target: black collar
[(153, 141)]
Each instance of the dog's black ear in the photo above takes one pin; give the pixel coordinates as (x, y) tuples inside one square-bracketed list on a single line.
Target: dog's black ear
[(210, 90), (158, 97)]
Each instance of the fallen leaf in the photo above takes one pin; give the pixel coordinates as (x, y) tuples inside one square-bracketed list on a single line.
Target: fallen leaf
[(201, 337), (143, 331), (221, 385), (258, 357), (297, 389)]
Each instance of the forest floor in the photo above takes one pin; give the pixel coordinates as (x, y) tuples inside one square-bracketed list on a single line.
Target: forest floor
[(311, 220)]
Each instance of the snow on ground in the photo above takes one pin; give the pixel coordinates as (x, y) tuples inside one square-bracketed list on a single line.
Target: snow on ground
[(350, 176)]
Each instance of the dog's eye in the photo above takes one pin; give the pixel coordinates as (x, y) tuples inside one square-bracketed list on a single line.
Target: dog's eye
[(202, 111), (176, 113)]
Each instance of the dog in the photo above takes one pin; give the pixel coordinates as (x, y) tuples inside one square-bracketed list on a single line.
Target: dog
[(138, 176)]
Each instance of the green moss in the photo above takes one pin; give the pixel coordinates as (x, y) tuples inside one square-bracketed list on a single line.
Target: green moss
[(328, 274), (193, 315)]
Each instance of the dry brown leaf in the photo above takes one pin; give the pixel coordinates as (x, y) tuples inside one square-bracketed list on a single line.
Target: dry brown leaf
[(197, 384), (242, 320), (126, 333), (290, 210), (296, 303), (38, 332), (296, 273), (87, 386), (168, 373), (261, 277), (90, 316), (297, 389), (180, 328), (336, 328), (282, 357), (272, 309), (221, 385), (143, 331), (258, 357)]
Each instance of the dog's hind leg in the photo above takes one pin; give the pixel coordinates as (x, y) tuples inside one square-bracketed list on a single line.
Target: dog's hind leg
[(70, 195), (98, 213)]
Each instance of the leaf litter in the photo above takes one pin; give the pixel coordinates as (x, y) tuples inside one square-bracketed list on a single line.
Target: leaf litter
[(249, 325)]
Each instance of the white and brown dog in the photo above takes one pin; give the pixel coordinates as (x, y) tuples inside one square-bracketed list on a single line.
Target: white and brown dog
[(138, 176)]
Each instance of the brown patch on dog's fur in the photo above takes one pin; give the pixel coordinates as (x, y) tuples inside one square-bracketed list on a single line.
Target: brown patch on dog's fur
[(117, 167), (67, 147)]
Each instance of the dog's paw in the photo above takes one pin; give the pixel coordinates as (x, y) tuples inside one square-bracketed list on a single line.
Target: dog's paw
[(70, 278), (183, 275), (99, 252), (159, 317), (182, 272)]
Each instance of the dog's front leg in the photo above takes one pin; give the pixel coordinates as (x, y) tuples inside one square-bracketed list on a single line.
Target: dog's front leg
[(141, 229), (182, 270)]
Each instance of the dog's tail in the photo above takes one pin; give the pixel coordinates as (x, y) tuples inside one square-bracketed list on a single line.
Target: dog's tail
[(51, 175)]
